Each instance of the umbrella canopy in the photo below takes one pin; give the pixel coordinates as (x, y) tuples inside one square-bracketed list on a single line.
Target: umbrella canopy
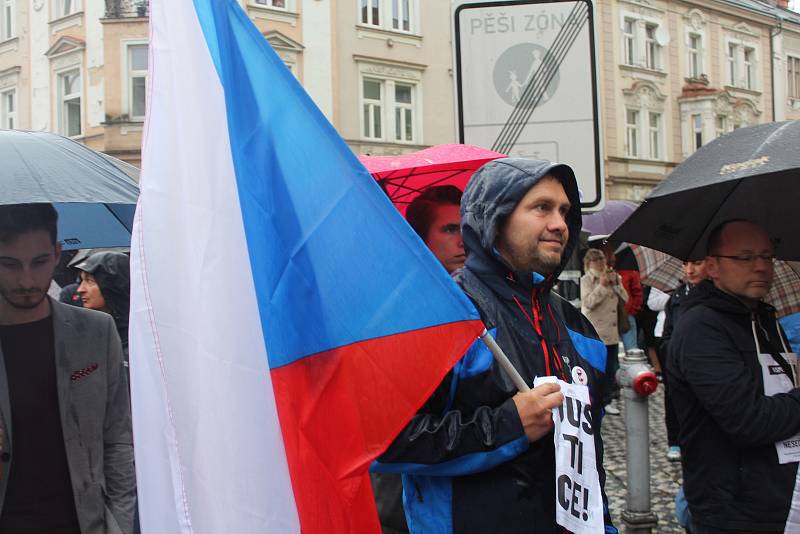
[(95, 194), (404, 177), (752, 173), (665, 272), (608, 219)]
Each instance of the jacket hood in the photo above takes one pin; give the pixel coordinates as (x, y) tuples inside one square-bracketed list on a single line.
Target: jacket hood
[(492, 194), (111, 270)]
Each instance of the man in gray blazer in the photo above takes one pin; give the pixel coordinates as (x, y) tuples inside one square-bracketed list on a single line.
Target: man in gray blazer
[(66, 449)]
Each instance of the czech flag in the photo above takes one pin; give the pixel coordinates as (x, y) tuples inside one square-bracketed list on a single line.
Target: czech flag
[(286, 323)]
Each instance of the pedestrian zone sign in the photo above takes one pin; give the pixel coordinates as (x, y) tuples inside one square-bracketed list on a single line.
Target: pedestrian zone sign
[(526, 84)]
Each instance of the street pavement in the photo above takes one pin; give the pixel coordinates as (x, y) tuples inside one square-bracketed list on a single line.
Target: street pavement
[(665, 476)]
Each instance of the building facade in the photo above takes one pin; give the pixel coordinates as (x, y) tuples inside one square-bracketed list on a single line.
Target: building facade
[(677, 74), (380, 70), (674, 74)]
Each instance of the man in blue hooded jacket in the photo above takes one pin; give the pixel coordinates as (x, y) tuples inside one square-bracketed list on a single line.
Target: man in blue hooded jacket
[(479, 456)]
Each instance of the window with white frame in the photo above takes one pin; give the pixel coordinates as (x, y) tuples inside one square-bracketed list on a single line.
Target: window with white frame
[(742, 66), (750, 68), (697, 131), (722, 125), (632, 133), (403, 112), (277, 4), (654, 127), (731, 58), (67, 7), (629, 41), (372, 106), (8, 109), (695, 48), (389, 110), (640, 42), (69, 103), (395, 15), (371, 12), (793, 76), (7, 20), (137, 81), (401, 15), (651, 48)]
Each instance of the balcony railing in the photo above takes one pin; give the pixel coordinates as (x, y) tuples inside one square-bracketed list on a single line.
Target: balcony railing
[(117, 9)]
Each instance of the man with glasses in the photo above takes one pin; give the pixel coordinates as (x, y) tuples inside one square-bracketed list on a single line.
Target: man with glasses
[(734, 390)]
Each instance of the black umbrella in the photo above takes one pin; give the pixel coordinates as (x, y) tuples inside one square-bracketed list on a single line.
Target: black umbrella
[(752, 173), (95, 194)]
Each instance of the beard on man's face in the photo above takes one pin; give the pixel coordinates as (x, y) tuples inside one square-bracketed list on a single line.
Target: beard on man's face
[(24, 298), (535, 260)]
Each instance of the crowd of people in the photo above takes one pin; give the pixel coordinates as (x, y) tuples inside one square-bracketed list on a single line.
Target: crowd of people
[(718, 399), (479, 456)]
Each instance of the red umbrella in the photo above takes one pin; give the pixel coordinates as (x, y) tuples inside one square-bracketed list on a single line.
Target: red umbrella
[(403, 177)]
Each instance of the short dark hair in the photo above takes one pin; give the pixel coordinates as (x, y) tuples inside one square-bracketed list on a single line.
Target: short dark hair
[(16, 219), (714, 240), (422, 210)]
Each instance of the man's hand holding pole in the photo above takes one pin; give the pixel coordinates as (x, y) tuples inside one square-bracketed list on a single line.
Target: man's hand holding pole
[(535, 405)]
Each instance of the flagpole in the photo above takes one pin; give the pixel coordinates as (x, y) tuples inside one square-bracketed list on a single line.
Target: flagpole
[(504, 362)]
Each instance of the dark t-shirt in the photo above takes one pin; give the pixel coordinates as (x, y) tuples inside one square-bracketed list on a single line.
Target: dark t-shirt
[(39, 495)]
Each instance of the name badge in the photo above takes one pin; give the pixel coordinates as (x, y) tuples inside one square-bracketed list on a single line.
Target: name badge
[(777, 381)]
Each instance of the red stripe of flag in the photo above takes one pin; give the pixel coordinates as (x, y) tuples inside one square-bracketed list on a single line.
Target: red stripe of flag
[(342, 408)]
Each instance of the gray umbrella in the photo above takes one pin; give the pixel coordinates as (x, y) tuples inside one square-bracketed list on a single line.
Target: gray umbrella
[(752, 173), (95, 194)]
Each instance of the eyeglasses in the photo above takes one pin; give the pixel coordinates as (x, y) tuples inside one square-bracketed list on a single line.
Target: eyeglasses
[(748, 258)]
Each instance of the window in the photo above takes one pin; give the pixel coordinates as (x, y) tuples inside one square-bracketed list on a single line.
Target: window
[(750, 68), (69, 109), (632, 133), (793, 75), (695, 55), (651, 48), (404, 112), (389, 110), (655, 135), (373, 108), (7, 22), (732, 64), (401, 15), (395, 15), (697, 131), (722, 125), (67, 7), (371, 12), (8, 109), (629, 41), (137, 78), (278, 4)]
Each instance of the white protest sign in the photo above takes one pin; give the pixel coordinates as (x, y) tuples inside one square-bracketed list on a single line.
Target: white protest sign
[(777, 381), (579, 504)]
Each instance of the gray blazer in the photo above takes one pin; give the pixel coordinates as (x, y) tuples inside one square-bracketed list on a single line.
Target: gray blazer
[(95, 417)]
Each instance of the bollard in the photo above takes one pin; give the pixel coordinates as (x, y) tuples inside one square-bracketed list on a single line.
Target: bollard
[(638, 383)]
